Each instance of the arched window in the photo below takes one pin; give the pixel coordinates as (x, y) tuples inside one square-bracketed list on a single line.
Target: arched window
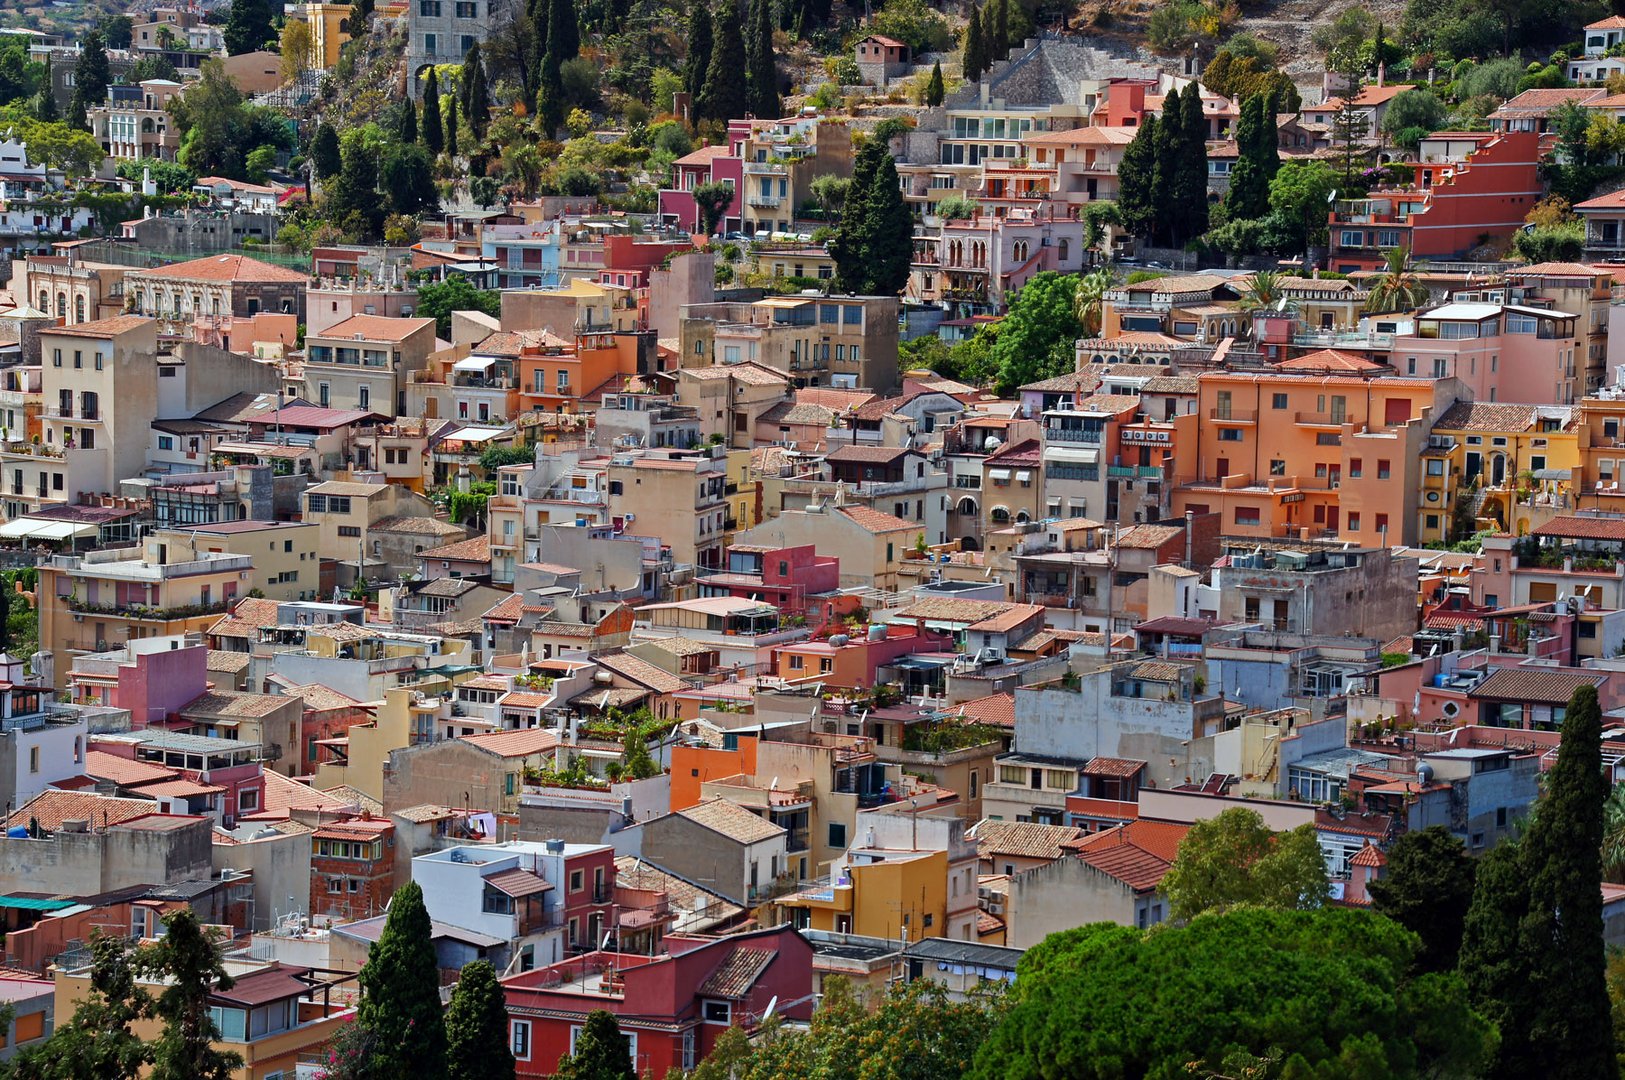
[(1062, 249), (967, 507), (45, 301), (1000, 515), (62, 305), (1022, 517), (78, 309)]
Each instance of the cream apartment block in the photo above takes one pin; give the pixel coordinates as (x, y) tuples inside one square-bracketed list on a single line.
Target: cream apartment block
[(841, 341), (365, 361)]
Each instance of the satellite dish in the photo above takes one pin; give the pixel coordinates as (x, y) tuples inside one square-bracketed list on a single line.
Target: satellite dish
[(771, 1005)]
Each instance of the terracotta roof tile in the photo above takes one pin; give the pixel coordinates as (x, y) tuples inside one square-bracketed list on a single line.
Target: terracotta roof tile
[(734, 977), (996, 709), (1160, 838), (474, 549), (52, 808), (222, 268), (1544, 685), (1021, 839), (642, 672), (1584, 528), (734, 822), (1485, 416), (876, 521), (526, 742), (124, 771)]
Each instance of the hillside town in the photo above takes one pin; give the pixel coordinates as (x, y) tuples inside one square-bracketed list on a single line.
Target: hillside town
[(597, 540)]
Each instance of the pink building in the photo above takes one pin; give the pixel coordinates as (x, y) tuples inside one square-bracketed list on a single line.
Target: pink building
[(1501, 352), (707, 165), (152, 684), (784, 577)]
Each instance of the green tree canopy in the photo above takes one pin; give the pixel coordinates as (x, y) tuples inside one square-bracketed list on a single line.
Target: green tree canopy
[(1427, 888), (438, 300), (248, 26), (477, 1027), (96, 1042), (188, 960), (1326, 993), (602, 1052), (400, 984), (724, 95), (1036, 339), (324, 152), (1300, 197), (1137, 202), (699, 55), (1235, 859), (408, 179), (434, 136), (90, 77)]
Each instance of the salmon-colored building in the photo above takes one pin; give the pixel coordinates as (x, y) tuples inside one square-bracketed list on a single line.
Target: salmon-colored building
[(1499, 352), (1304, 456), (1470, 188)]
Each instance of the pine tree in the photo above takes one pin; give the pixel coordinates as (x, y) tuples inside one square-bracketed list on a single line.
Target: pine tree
[(889, 232), (723, 96), (400, 984), (934, 90), (602, 1052), (476, 99), (1190, 193), (189, 962), (563, 31), (451, 127), (1427, 888), (762, 73), (1565, 1002), (850, 245), (324, 152), (477, 1027), (434, 136), (97, 1039), (1137, 179), (90, 78), (699, 57), (974, 59)]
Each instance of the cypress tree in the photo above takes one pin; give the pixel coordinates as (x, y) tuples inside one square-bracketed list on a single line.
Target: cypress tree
[(974, 58), (46, 111), (400, 983), (992, 49), (1565, 1002), (1489, 952), (476, 102), (699, 56), (1001, 29), (934, 90), (434, 136), (1137, 179), (1191, 192), (602, 1051), (723, 97), (550, 96), (451, 126), (409, 122), (762, 71), (563, 31), (850, 245), (889, 232), (477, 1027), (1248, 189), (324, 151), (90, 78), (1166, 224)]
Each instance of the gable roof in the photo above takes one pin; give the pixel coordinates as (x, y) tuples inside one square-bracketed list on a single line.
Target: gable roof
[(876, 521), (514, 744), (52, 808), (474, 549), (735, 822), (232, 268), (1022, 839)]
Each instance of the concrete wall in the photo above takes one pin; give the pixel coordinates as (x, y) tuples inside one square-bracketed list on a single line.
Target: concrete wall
[(1065, 894), (1090, 722), (694, 852), (78, 864), (440, 773), (281, 866)]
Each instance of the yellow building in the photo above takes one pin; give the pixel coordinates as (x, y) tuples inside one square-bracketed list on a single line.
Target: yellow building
[(276, 1016), (286, 565), (902, 895), (1513, 463), (327, 31), (743, 491), (406, 718)]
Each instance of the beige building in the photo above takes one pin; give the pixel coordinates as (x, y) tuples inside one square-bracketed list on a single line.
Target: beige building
[(218, 286), (100, 600), (71, 289), (134, 121), (364, 362), (286, 563), (406, 718), (730, 399), (870, 544), (849, 342), (780, 160), (344, 511), (675, 495)]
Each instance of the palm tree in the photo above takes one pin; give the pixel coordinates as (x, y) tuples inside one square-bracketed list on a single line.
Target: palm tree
[(1613, 835), (1397, 288), (1263, 291), (1091, 298)]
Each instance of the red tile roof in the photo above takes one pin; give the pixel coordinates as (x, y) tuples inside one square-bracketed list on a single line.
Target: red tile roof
[(52, 808), (996, 709), (222, 268), (1161, 838), (1129, 863), (1328, 360), (514, 744), (1584, 528), (518, 883), (474, 549), (876, 521), (125, 772), (734, 977)]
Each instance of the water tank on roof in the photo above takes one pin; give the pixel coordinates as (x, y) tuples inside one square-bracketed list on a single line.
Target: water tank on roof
[(17, 832), (838, 640), (991, 443)]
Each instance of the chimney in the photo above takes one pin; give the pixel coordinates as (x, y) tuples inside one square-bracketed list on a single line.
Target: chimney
[(1382, 72)]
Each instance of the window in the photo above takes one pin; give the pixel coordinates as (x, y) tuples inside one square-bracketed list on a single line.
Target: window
[(717, 1012), (467, 9), (1328, 438), (1229, 434), (1435, 466), (1354, 522), (1058, 779), (1278, 401), (837, 834), (577, 880), (248, 800), (520, 1041), (33, 759), (1246, 515), (1384, 470), (1277, 467), (166, 442), (1356, 468)]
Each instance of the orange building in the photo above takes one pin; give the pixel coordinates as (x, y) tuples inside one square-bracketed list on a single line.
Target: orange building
[(1305, 456), (557, 375), (694, 766)]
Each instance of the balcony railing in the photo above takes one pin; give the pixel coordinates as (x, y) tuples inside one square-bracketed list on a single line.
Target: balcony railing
[(149, 612), (767, 202), (1077, 435), (1233, 416)]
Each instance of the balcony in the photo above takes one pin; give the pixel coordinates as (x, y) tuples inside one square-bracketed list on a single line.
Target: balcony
[(147, 612), (32, 449), (1233, 416), (1092, 436), (766, 202), (1321, 419), (765, 168), (57, 412)]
